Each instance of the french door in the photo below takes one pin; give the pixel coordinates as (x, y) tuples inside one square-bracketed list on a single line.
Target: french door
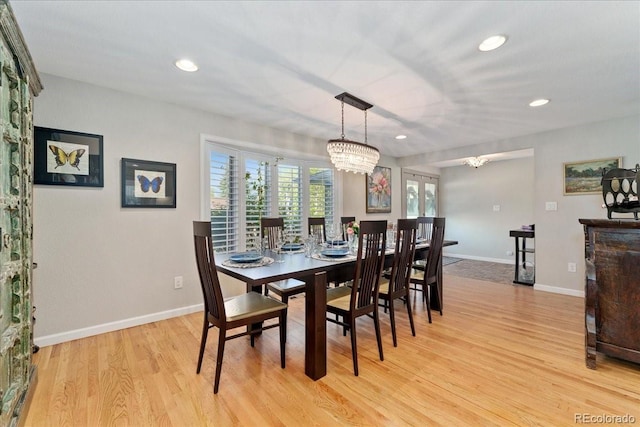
[(419, 194)]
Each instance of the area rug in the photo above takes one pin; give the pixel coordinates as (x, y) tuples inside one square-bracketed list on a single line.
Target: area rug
[(446, 260), (480, 270)]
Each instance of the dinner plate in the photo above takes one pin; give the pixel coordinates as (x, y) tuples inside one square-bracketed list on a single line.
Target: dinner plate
[(246, 258), (335, 253), (292, 247)]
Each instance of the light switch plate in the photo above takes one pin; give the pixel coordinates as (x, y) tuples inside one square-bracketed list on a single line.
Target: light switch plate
[(551, 206)]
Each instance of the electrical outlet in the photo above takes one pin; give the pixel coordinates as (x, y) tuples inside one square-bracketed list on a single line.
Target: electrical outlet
[(509, 253), (571, 267), (177, 282), (496, 208)]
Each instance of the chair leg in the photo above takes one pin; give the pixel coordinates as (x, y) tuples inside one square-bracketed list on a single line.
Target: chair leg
[(376, 322), (283, 336), (203, 342), (392, 320), (354, 347), (285, 299), (410, 312), (221, 342), (428, 304)]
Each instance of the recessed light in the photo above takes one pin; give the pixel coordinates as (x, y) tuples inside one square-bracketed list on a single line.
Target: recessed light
[(186, 65), (401, 137), (492, 43), (538, 102)]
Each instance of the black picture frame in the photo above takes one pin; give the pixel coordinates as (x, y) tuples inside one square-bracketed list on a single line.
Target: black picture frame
[(148, 184), (64, 157)]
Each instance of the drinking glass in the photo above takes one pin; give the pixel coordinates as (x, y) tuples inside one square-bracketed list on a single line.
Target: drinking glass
[(279, 242)]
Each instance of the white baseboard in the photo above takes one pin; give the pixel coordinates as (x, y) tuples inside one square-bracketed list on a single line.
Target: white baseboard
[(558, 290), (114, 326), (479, 258)]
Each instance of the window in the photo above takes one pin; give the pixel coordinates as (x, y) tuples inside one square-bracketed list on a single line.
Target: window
[(241, 187), (420, 194)]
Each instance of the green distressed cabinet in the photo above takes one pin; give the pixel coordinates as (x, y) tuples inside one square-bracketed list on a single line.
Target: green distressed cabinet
[(19, 82)]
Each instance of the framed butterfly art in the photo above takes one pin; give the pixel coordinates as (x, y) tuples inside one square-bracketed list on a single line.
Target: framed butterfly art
[(147, 184), (63, 157)]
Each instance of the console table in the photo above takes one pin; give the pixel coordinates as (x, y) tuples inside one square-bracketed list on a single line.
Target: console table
[(521, 257), (612, 291)]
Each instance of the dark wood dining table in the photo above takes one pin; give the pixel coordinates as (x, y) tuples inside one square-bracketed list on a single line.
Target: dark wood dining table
[(315, 273)]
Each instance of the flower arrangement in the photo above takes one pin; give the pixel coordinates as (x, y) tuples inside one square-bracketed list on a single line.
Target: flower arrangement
[(353, 228)]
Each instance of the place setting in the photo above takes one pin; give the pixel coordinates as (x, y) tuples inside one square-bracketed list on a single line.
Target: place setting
[(247, 260)]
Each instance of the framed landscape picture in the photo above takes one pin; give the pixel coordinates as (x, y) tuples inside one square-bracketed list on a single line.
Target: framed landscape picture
[(147, 184), (64, 157), (585, 177), (379, 190)]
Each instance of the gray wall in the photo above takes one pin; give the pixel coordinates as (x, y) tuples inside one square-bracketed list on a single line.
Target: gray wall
[(467, 200), (102, 267)]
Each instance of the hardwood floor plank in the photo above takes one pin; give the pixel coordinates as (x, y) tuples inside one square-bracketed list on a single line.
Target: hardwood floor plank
[(501, 355)]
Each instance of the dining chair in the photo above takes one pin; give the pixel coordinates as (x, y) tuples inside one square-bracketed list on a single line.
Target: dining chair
[(428, 275), (270, 229), (344, 221), (243, 310), (317, 227), (396, 285), (361, 299)]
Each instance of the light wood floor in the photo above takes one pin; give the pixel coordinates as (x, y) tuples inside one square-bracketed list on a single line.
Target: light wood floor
[(500, 355)]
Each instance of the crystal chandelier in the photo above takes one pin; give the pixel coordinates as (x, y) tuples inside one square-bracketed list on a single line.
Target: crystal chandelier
[(352, 156), (475, 162)]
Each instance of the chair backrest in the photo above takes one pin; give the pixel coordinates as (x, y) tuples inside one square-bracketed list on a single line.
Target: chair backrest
[(270, 228), (435, 251), (344, 220), (317, 227), (211, 291), (370, 260), (425, 227), (404, 253)]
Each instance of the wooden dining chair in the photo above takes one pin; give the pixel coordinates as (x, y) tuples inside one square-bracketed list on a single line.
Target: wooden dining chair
[(429, 275), (270, 228), (317, 227), (361, 299), (344, 221), (396, 285), (243, 310)]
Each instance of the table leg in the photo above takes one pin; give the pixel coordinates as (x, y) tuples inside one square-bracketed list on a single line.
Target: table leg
[(315, 352)]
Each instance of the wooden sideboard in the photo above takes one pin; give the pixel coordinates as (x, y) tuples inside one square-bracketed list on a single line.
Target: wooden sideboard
[(612, 293)]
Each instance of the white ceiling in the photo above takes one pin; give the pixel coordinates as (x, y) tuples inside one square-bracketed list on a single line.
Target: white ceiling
[(280, 64)]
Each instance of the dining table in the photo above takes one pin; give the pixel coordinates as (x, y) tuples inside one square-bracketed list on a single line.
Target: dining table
[(316, 273)]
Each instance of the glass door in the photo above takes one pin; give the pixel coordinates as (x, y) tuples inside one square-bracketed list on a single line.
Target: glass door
[(420, 194)]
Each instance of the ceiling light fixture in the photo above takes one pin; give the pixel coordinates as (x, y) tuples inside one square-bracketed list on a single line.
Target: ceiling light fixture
[(352, 156), (186, 65), (475, 162), (401, 137), (539, 102), (492, 43)]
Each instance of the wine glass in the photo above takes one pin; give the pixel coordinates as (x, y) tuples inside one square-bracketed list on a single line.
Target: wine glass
[(279, 242)]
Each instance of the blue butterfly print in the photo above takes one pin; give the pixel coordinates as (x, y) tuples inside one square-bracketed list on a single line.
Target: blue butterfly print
[(154, 184)]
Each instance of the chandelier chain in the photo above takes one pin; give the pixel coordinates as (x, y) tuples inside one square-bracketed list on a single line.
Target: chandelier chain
[(343, 119)]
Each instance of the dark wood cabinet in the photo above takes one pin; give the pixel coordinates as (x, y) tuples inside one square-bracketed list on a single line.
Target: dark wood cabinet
[(612, 293)]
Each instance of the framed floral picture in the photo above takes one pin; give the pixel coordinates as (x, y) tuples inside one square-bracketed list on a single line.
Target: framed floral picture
[(379, 190)]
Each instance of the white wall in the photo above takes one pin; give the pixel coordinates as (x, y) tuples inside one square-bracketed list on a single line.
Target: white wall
[(102, 267), (467, 200)]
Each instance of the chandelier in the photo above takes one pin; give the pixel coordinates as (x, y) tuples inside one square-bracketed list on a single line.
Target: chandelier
[(352, 156), (475, 162)]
